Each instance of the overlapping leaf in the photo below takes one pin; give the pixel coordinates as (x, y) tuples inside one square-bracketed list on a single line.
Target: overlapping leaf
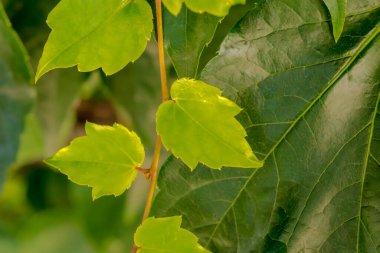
[(337, 10), (96, 34), (217, 8), (311, 112), (16, 97), (105, 159), (199, 125), (158, 235)]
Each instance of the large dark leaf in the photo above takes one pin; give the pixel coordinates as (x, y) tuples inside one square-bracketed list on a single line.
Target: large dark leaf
[(16, 95), (311, 112)]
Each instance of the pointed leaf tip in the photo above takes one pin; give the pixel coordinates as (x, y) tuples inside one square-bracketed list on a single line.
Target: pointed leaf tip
[(200, 126)]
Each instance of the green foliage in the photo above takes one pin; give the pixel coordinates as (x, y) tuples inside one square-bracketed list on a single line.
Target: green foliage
[(337, 10), (199, 125), (16, 97), (157, 235), (186, 35), (312, 113), (105, 159), (217, 8), (112, 34)]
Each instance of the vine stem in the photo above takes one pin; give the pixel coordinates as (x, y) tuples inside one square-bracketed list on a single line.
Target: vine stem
[(165, 96)]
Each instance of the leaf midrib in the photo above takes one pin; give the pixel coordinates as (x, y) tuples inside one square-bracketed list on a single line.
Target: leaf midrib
[(372, 35)]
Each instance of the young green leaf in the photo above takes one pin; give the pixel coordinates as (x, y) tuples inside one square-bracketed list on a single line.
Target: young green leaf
[(199, 125), (96, 33), (216, 8), (158, 235), (105, 159), (337, 9)]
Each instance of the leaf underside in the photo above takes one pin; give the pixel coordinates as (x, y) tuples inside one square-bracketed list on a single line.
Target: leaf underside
[(96, 34), (199, 125), (311, 112), (216, 8), (105, 159), (157, 235)]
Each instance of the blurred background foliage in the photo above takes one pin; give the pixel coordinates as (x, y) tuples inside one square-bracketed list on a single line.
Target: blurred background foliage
[(40, 210)]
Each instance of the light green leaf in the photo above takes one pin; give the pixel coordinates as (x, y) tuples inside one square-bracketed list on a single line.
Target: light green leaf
[(157, 235), (105, 159), (215, 7), (16, 94), (337, 10), (96, 33), (199, 125)]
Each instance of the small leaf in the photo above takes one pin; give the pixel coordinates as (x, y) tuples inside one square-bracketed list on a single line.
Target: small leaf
[(96, 33), (216, 8), (105, 159), (157, 235), (198, 125), (337, 9)]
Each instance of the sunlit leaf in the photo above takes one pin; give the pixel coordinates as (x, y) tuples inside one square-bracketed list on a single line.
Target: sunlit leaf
[(96, 34), (105, 159), (157, 235), (199, 125), (337, 10)]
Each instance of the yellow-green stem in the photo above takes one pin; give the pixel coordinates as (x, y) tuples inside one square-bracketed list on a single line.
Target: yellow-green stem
[(165, 96)]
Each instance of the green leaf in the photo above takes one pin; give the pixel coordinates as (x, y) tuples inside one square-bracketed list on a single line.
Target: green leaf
[(311, 111), (337, 10), (157, 235), (186, 35), (16, 95), (216, 8), (199, 125), (105, 159), (93, 34)]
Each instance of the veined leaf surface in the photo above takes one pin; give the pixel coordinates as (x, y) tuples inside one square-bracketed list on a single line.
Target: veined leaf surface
[(105, 159), (312, 113), (199, 125), (157, 235), (96, 34)]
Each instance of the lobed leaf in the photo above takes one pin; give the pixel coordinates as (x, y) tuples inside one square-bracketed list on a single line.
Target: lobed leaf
[(96, 34), (337, 10), (157, 235), (199, 125), (311, 111), (215, 7), (105, 159)]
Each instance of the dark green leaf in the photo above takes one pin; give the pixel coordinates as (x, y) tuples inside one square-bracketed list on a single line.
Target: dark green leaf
[(311, 111), (186, 35), (16, 97)]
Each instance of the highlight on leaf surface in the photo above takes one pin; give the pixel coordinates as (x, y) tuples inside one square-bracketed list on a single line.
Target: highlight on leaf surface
[(199, 125), (157, 235), (105, 159), (96, 34), (337, 9), (217, 8)]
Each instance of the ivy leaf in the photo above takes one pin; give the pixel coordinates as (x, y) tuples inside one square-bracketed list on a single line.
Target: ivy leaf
[(96, 33), (16, 95), (311, 112), (216, 8), (105, 159), (199, 125), (186, 35), (337, 10), (158, 235)]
